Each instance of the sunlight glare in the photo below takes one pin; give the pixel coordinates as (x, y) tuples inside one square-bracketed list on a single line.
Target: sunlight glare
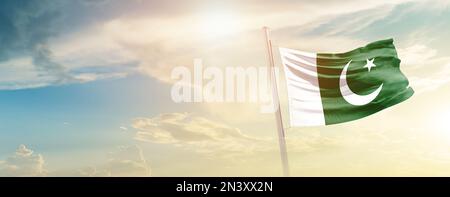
[(217, 24)]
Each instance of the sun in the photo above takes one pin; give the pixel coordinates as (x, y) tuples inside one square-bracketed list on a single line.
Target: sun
[(218, 23)]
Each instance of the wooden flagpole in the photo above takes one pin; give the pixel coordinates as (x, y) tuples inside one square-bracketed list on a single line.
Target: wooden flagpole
[(276, 102)]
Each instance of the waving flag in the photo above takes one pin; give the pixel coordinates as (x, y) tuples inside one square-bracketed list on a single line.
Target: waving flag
[(326, 88)]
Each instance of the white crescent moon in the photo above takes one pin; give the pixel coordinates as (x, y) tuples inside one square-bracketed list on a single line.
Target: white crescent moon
[(350, 96)]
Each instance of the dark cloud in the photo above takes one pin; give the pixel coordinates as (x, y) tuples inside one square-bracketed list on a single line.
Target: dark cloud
[(28, 26)]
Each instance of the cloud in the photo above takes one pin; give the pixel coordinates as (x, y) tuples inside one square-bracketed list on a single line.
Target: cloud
[(26, 31), (206, 147), (381, 21), (183, 127), (126, 161), (425, 69), (25, 28), (418, 28), (186, 35), (349, 23), (417, 55), (214, 138), (156, 36), (351, 149), (123, 128), (23, 163)]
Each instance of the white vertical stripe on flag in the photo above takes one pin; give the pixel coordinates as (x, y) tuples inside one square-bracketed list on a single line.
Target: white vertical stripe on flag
[(305, 103)]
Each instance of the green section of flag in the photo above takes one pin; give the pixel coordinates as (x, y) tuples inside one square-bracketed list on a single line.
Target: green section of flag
[(362, 82)]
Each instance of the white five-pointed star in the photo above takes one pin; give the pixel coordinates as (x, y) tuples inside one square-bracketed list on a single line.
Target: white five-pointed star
[(370, 64)]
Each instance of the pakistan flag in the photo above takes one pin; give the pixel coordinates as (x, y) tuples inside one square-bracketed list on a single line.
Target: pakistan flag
[(331, 88)]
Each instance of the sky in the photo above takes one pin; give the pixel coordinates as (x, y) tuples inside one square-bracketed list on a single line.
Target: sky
[(85, 88)]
